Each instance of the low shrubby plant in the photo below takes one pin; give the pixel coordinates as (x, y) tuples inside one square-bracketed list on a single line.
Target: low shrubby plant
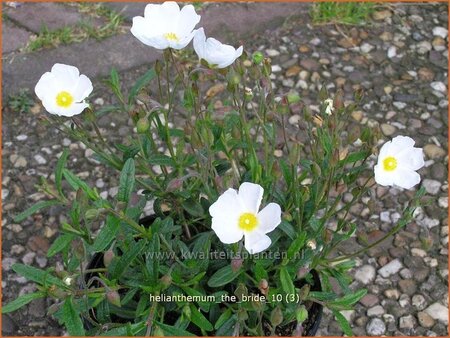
[(247, 222)]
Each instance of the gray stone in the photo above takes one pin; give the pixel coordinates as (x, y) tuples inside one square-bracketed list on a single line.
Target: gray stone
[(407, 322), (376, 327), (391, 268), (438, 312), (365, 274), (376, 311), (431, 186), (440, 31)]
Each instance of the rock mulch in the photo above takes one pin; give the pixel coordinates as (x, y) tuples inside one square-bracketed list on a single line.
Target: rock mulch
[(400, 60)]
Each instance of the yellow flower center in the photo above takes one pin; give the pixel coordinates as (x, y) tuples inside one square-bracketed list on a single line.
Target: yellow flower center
[(64, 99), (248, 221), (389, 163), (171, 37)]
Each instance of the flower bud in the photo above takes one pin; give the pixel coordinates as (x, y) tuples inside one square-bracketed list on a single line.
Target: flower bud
[(158, 67), (92, 214), (113, 297), (302, 272), (276, 317), (108, 256), (301, 314), (174, 185), (240, 291), (187, 311), (166, 280), (236, 264), (233, 78), (257, 58), (304, 292), (78, 247), (267, 67), (248, 93), (142, 125), (53, 309), (263, 287)]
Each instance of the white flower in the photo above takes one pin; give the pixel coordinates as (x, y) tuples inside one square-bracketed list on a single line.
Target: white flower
[(63, 90), (235, 214), (214, 52), (397, 163), (329, 108), (165, 26)]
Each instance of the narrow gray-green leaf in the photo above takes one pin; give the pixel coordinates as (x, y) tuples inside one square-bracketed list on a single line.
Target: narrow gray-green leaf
[(31, 210), (59, 170), (71, 319), (21, 301), (223, 276), (126, 183), (106, 234), (117, 268), (59, 244), (37, 275)]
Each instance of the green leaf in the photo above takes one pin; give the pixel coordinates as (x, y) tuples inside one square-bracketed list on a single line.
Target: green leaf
[(296, 245), (343, 323), (173, 331), (125, 330), (107, 233), (76, 183), (31, 210), (222, 319), (59, 244), (159, 159), (286, 282), (223, 276), (59, 170), (71, 319), (141, 83), (21, 301), (117, 268), (199, 319), (37, 275), (127, 179), (193, 207), (348, 299)]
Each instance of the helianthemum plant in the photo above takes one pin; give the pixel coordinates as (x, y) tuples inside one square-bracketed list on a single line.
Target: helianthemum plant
[(210, 260)]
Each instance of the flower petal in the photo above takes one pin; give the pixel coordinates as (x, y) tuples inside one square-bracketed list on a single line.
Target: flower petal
[(382, 177), (199, 42), (226, 229), (256, 242), (227, 204), (411, 158), (405, 178), (46, 86), (82, 89), (269, 218), (187, 21), (251, 195)]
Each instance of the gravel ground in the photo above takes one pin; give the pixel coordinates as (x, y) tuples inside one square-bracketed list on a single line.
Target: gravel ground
[(400, 60)]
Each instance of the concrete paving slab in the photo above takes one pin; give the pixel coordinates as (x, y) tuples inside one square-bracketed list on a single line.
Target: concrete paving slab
[(33, 16), (13, 37), (228, 22)]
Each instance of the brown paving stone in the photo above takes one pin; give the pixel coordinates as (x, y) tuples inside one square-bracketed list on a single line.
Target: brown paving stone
[(13, 37), (34, 16)]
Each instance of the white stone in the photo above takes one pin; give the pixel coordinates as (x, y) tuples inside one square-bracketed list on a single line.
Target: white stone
[(391, 268), (365, 274), (419, 302), (21, 137), (366, 47), (276, 69), (376, 327), (440, 31), (431, 186), (407, 322), (418, 252), (438, 311), (40, 159), (385, 217), (439, 86), (272, 52), (392, 51)]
